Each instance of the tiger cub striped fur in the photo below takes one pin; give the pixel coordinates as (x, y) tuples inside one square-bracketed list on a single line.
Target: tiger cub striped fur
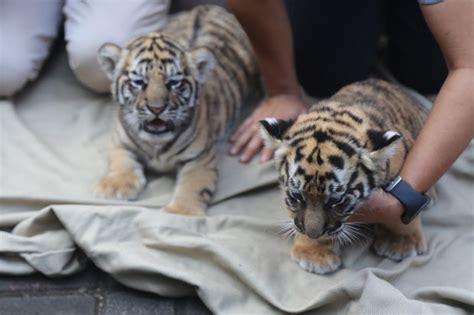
[(331, 158), (179, 91)]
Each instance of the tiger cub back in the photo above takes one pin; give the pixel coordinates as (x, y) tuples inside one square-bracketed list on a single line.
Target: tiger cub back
[(373, 107), (333, 157), (179, 91), (235, 74)]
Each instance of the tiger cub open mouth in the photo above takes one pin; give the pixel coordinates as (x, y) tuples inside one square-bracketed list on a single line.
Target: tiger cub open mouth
[(158, 126)]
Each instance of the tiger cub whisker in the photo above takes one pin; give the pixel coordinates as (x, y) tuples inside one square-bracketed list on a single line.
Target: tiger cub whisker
[(329, 161), (179, 90)]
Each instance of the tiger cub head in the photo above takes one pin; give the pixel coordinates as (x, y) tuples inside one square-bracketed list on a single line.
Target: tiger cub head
[(156, 82), (325, 172)]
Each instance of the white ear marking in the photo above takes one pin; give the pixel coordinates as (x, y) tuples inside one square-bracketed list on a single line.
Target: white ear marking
[(390, 134), (271, 121), (108, 57)]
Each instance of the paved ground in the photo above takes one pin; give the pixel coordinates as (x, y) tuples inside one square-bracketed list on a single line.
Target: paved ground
[(90, 292)]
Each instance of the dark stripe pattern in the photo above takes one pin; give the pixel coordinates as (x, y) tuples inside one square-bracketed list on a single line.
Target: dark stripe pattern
[(336, 151), (199, 112)]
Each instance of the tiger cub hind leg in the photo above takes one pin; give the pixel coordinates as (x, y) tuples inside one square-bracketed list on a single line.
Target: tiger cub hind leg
[(124, 179), (195, 186), (400, 246), (315, 255)]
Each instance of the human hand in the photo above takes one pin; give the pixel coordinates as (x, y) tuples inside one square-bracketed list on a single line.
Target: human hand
[(247, 141), (383, 208)]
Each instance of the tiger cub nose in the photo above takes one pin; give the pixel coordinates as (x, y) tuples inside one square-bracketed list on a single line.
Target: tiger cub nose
[(155, 109)]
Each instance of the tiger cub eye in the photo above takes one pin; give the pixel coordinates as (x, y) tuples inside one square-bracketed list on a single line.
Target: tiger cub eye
[(173, 84), (138, 83)]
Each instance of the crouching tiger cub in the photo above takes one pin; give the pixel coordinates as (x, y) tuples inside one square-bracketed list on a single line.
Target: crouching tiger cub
[(179, 90), (331, 158)]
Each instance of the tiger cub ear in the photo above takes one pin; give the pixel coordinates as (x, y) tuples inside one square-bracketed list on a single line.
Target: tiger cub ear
[(384, 144), (200, 61), (108, 57), (272, 131)]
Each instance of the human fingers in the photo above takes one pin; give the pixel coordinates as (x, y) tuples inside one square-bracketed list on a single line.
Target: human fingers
[(367, 212), (242, 141), (266, 155), (242, 128), (252, 148)]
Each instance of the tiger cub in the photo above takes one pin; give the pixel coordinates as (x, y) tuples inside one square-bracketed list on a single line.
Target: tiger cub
[(179, 91), (331, 158)]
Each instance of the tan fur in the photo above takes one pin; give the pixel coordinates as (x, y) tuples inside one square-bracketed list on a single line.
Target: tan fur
[(125, 178), (179, 90), (397, 247), (194, 174), (319, 256), (331, 158)]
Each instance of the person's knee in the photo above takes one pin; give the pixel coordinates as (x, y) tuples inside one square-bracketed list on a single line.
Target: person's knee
[(89, 26), (83, 43), (82, 52), (25, 45), (15, 71)]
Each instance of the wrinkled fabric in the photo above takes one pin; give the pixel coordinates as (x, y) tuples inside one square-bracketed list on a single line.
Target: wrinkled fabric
[(53, 142)]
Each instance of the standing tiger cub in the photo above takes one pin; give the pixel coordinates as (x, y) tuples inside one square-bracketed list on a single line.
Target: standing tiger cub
[(331, 158), (179, 91)]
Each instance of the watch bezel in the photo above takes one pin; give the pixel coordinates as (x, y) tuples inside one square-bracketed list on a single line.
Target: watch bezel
[(393, 183)]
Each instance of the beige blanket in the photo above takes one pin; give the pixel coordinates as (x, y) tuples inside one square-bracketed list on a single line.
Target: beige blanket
[(52, 150)]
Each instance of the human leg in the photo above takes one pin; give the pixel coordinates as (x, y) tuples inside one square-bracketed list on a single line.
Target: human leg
[(335, 42), (413, 54)]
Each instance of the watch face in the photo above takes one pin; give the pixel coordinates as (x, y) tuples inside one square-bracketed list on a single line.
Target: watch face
[(426, 205), (417, 212), (412, 201), (408, 217)]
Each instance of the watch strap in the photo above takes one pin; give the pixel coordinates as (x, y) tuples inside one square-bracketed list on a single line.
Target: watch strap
[(411, 200)]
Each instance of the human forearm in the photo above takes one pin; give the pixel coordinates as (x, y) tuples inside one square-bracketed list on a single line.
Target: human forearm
[(445, 135), (267, 26), (447, 132), (449, 127)]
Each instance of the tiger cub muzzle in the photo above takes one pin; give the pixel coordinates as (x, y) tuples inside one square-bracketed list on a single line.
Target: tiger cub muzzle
[(324, 221), (158, 126)]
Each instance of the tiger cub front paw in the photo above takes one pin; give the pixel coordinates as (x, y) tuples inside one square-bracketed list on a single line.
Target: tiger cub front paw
[(398, 247), (181, 209), (318, 259), (124, 186)]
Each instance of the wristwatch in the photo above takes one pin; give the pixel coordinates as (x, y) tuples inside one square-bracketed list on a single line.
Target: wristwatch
[(412, 201)]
